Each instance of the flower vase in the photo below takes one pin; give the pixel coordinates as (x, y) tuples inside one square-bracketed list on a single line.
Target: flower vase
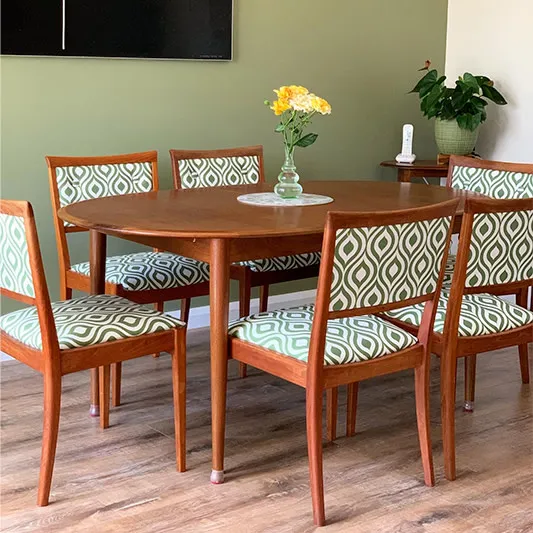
[(288, 186)]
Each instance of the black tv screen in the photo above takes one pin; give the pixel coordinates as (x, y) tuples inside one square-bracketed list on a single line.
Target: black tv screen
[(151, 29)]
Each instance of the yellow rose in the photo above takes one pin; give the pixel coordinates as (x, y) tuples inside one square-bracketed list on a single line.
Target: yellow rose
[(284, 92), (298, 90), (321, 105), (279, 106)]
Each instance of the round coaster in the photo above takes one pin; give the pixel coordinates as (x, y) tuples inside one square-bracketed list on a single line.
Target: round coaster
[(271, 199)]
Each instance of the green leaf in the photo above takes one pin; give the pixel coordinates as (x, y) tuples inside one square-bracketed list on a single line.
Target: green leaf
[(471, 81), (306, 140), (280, 128), (428, 80), (492, 94), (482, 80), (465, 122)]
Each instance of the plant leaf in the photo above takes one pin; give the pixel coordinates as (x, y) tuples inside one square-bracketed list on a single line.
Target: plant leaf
[(492, 94), (306, 140), (471, 81), (428, 80), (279, 128)]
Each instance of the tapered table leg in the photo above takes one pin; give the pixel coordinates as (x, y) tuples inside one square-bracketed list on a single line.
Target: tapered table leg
[(97, 251), (219, 301)]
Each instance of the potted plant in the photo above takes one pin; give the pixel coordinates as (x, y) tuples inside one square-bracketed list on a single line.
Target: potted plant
[(458, 111)]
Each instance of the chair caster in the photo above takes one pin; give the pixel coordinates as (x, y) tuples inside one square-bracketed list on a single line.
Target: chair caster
[(468, 407), (217, 477)]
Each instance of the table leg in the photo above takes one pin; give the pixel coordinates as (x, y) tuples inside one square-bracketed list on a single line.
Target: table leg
[(404, 175), (97, 254), (219, 301)]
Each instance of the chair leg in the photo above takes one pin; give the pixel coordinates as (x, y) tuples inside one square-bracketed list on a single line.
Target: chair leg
[(245, 295), (116, 383), (448, 382), (104, 376), (185, 310), (314, 446), (65, 293), (521, 299), (423, 420), (263, 299), (332, 402), (351, 408), (470, 383), (159, 306), (52, 407), (179, 386)]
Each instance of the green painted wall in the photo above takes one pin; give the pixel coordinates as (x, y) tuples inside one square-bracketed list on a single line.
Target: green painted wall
[(361, 55)]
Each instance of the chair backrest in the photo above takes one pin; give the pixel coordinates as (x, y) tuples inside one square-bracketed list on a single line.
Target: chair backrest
[(495, 246), (74, 179), (376, 262), (192, 169), (21, 266), (491, 178)]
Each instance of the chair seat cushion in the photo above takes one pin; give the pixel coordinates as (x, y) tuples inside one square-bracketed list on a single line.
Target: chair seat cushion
[(448, 271), (481, 314), (150, 270), (348, 340), (87, 321), (284, 262)]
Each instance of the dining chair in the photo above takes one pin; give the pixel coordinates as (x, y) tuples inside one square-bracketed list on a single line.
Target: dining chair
[(241, 166), (495, 256), (495, 179), (74, 335), (143, 277), (371, 262)]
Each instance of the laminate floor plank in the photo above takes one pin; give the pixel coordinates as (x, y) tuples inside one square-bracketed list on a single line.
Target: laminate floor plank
[(123, 479)]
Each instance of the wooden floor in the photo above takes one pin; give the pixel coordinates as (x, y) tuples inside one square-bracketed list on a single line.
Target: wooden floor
[(124, 479)]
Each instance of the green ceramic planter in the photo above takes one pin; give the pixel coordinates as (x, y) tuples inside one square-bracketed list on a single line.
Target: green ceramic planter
[(451, 139)]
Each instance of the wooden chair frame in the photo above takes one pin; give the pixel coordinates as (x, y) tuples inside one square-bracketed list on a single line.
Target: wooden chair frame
[(519, 293), (315, 377), (53, 362), (450, 346), (246, 277), (70, 280)]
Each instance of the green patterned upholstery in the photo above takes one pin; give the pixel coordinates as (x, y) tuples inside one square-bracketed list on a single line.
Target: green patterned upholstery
[(284, 262), (79, 183), (481, 314), (88, 321), (386, 264), (348, 340), (501, 249), (15, 270), (494, 183), (150, 270), (218, 171)]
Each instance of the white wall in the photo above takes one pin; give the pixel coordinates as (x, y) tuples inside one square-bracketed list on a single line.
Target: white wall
[(495, 39)]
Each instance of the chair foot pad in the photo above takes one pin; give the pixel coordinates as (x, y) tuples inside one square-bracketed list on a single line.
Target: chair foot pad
[(468, 407), (94, 411), (217, 477)]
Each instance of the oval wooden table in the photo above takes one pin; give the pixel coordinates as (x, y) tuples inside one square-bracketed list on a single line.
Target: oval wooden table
[(211, 225)]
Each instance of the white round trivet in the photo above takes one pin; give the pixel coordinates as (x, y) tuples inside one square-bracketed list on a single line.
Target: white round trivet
[(271, 199)]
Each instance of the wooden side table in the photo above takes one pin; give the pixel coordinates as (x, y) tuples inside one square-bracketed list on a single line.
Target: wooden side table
[(418, 169)]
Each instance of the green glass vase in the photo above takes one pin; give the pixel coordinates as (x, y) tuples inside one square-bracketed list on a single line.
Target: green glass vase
[(288, 186)]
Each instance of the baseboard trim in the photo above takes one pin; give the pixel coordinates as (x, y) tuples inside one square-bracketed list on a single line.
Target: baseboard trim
[(199, 316)]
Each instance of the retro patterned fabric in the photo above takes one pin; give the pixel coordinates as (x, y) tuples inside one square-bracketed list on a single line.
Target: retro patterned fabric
[(218, 171), (348, 340), (285, 262), (96, 181), (87, 321), (481, 314), (15, 270), (150, 270), (386, 264)]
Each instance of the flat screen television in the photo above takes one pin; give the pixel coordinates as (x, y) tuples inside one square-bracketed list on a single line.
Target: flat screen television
[(150, 29)]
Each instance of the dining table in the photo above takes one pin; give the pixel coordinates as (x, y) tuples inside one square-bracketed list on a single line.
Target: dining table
[(211, 225)]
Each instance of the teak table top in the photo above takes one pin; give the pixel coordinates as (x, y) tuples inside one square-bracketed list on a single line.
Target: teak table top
[(216, 213)]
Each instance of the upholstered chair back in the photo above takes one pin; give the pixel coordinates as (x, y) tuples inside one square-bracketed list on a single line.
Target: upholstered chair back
[(501, 246), (386, 264), (491, 178), (74, 179), (193, 169), (15, 269)]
